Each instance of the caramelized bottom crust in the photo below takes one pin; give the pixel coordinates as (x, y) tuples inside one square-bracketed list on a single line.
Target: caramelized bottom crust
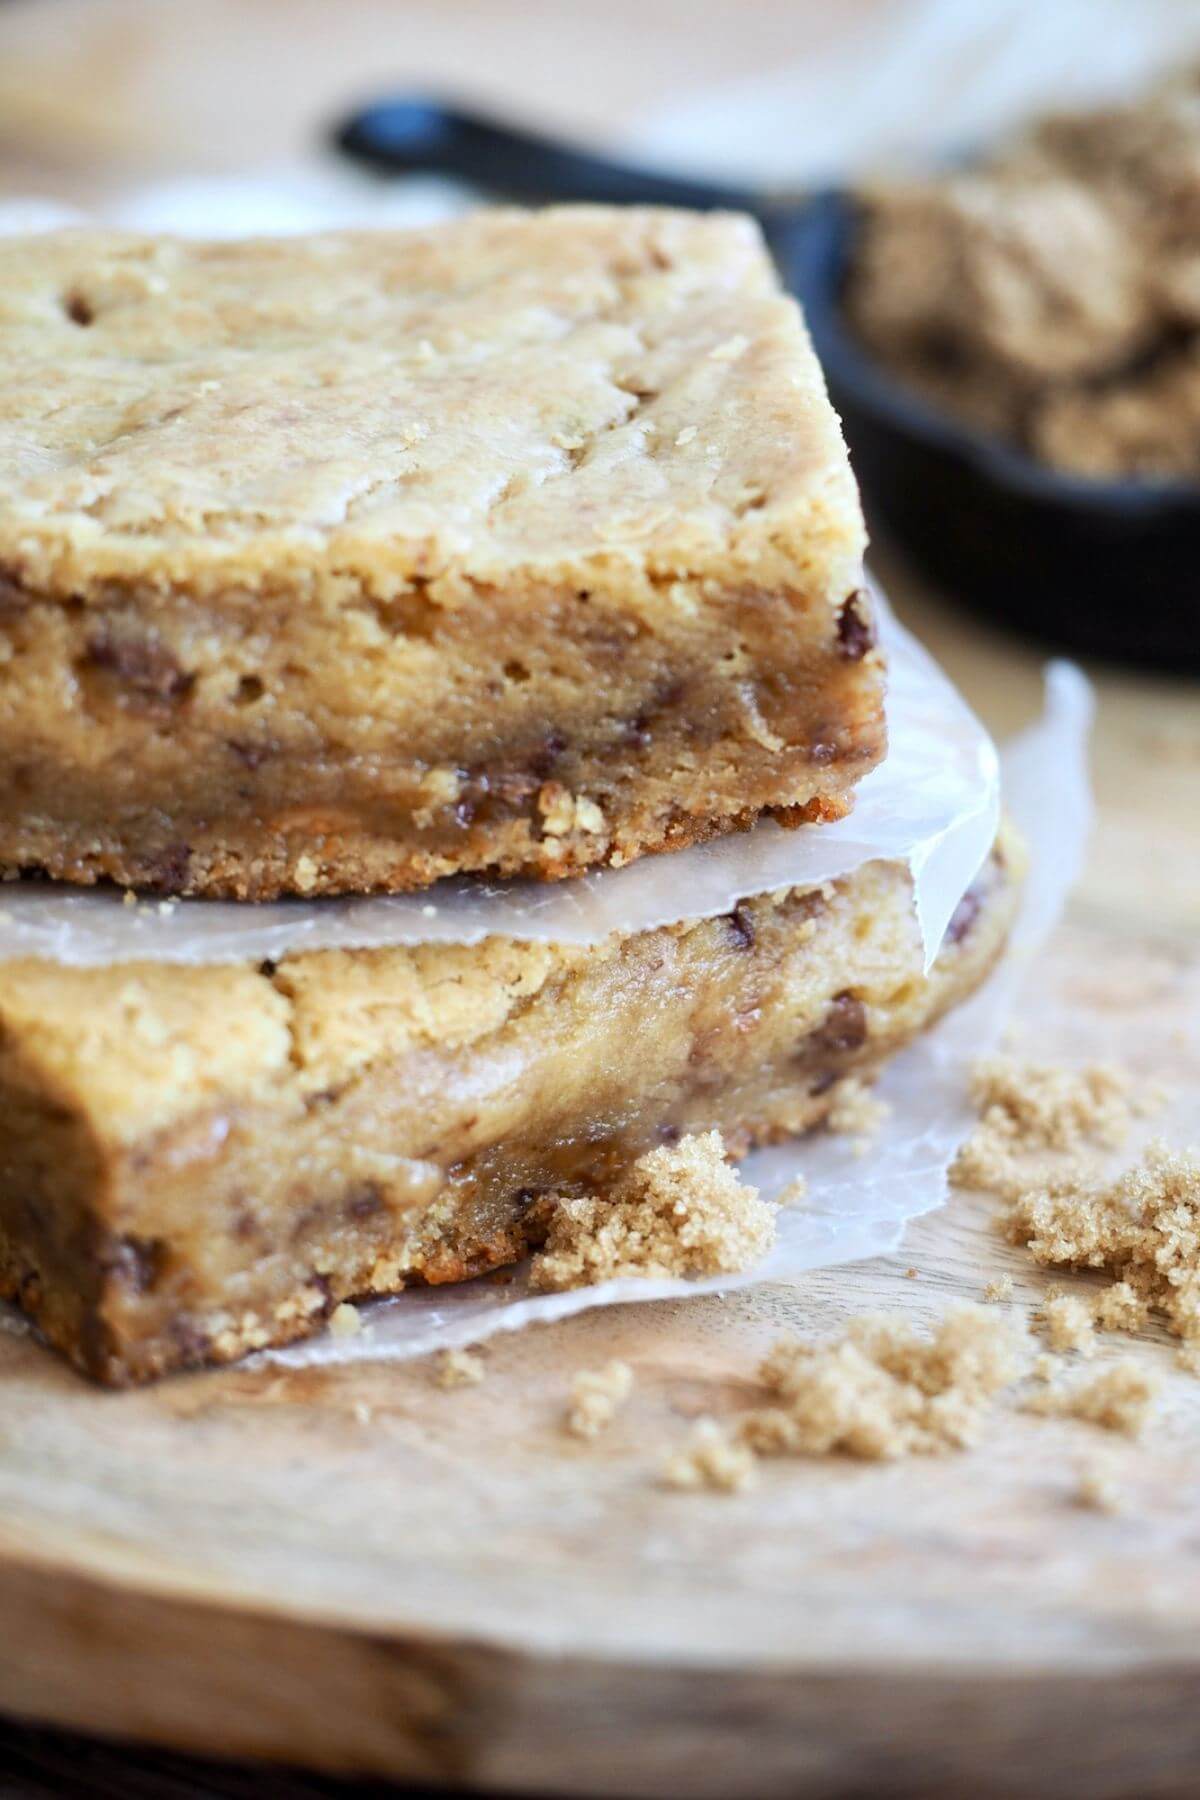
[(345, 1124), (345, 857), (176, 757)]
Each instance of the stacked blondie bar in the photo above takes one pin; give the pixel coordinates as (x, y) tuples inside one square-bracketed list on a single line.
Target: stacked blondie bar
[(516, 547)]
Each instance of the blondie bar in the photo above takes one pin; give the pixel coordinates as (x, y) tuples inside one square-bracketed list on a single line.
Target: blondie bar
[(197, 1162), (526, 543)]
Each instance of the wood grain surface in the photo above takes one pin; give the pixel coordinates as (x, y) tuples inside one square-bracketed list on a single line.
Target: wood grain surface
[(352, 1571)]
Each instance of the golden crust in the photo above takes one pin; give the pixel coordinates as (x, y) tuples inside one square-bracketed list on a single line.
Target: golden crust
[(601, 395)]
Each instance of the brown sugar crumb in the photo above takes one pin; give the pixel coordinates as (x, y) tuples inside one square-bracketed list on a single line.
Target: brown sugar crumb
[(1045, 1367), (1000, 1289), (1120, 1398), (857, 1113), (795, 1191), (1098, 1489), (882, 1391), (1028, 1106), (1048, 1106), (680, 1210), (1050, 291), (1120, 1308), (1069, 1325), (711, 1459), (596, 1395), (1144, 1228), (459, 1368)]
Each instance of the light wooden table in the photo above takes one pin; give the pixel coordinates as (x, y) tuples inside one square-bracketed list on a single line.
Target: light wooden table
[(457, 1593)]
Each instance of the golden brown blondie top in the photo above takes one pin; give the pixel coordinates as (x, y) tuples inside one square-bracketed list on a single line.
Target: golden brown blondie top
[(620, 393)]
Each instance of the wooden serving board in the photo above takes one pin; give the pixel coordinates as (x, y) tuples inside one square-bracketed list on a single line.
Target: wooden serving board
[(352, 1569)]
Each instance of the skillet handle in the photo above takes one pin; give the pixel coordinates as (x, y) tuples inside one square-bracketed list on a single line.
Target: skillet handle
[(409, 133)]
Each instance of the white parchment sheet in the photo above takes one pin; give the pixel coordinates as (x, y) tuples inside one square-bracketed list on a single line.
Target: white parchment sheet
[(855, 1207), (933, 804)]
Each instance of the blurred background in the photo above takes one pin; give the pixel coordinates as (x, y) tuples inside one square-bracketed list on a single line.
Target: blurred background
[(98, 94), (997, 538)]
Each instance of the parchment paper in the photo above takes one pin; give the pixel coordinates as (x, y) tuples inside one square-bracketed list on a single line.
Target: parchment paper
[(854, 1207), (933, 804)]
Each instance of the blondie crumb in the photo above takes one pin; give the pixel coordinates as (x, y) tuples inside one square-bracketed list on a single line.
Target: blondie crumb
[(679, 1210), (857, 1113), (711, 1459), (459, 1368), (882, 1391), (999, 1289), (1069, 1324), (596, 1394), (1120, 1398), (345, 1320)]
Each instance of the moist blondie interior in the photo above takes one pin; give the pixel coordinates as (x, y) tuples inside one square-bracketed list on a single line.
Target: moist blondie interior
[(525, 543), (197, 1162)]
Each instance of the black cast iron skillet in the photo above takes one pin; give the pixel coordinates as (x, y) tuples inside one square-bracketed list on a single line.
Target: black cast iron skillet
[(1108, 568)]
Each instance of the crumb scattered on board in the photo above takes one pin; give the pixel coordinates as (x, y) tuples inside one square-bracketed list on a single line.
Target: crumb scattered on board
[(679, 1210), (1069, 1324), (345, 1320), (459, 1368), (711, 1458), (1143, 1229), (883, 1390), (1120, 1398), (596, 1395), (1000, 1289), (1120, 1308), (1029, 1106)]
